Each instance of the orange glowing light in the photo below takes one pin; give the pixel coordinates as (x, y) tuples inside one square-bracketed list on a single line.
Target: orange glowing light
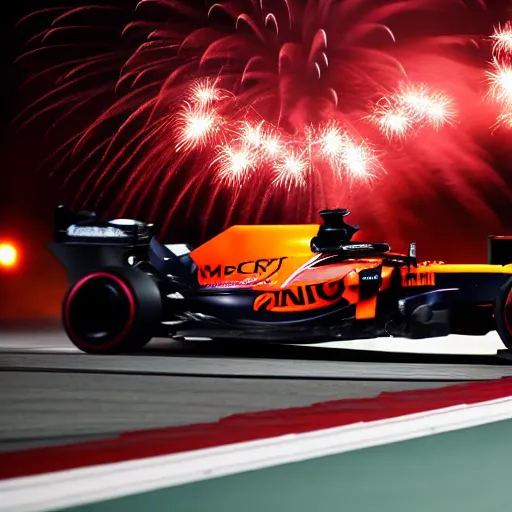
[(8, 255)]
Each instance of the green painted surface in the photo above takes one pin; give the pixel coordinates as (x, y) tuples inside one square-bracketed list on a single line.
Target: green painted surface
[(468, 471)]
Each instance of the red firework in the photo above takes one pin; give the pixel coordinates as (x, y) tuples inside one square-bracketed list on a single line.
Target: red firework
[(266, 102), (500, 74)]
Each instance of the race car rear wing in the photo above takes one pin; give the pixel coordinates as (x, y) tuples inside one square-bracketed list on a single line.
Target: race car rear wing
[(87, 227), (84, 243)]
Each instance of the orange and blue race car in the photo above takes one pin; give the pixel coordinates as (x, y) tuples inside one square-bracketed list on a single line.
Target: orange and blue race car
[(278, 283)]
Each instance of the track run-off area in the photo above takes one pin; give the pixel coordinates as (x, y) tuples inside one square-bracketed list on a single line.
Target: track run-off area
[(80, 429)]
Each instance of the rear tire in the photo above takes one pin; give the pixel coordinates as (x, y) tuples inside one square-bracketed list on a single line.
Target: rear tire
[(503, 314), (111, 311)]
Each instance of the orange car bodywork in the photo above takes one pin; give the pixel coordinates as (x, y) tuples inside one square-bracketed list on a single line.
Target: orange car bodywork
[(276, 260)]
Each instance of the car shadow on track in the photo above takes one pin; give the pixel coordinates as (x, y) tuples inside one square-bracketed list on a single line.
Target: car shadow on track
[(261, 350), (248, 349)]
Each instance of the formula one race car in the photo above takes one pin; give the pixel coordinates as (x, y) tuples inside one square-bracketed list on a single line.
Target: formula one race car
[(279, 283)]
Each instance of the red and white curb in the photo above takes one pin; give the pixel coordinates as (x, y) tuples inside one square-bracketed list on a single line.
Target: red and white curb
[(80, 486)]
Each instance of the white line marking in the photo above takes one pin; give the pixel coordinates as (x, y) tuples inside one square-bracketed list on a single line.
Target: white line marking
[(40, 350), (86, 485), (453, 344)]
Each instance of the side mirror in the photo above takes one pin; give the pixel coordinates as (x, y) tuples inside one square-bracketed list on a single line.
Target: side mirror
[(412, 254)]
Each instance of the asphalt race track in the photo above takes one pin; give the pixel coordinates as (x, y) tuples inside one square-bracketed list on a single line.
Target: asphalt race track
[(52, 394)]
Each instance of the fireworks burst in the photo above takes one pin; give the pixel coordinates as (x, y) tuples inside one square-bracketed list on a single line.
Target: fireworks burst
[(358, 160), (249, 146), (346, 157), (391, 120), (500, 83), (413, 106), (205, 93), (435, 108), (502, 40), (331, 141), (500, 74), (195, 127), (267, 95), (290, 171), (234, 164)]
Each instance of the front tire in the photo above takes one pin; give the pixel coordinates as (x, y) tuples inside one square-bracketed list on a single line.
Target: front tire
[(503, 314), (114, 310)]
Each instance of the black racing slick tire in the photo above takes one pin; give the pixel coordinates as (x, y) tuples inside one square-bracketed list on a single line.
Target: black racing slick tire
[(112, 311), (503, 314)]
